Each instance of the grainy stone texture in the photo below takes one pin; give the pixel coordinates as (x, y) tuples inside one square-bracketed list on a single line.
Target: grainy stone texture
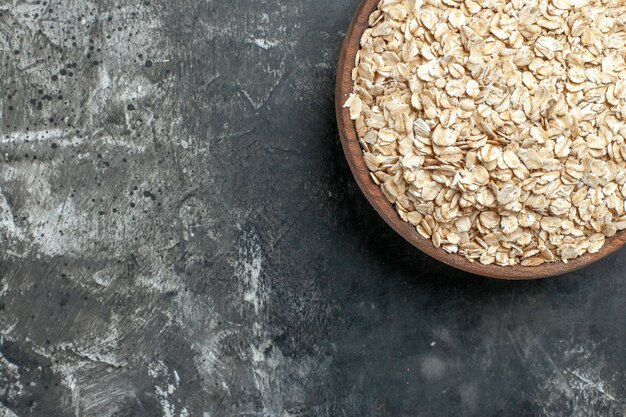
[(181, 236)]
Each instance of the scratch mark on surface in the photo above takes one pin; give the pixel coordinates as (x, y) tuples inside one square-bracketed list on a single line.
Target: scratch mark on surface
[(265, 43), (598, 386)]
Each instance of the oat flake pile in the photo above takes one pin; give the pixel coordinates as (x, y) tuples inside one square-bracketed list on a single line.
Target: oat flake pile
[(496, 128)]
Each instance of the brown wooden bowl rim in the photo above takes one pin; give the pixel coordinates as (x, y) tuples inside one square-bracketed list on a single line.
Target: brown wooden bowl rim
[(385, 209)]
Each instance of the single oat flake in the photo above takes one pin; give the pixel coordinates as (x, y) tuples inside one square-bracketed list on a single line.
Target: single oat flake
[(496, 127)]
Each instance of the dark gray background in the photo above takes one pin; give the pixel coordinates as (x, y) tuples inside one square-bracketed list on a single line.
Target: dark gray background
[(181, 236)]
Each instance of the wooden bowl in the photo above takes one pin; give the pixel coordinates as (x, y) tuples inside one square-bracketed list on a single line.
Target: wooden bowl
[(354, 155)]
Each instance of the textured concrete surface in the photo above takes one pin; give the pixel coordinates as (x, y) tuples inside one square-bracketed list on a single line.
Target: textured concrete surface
[(180, 236)]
